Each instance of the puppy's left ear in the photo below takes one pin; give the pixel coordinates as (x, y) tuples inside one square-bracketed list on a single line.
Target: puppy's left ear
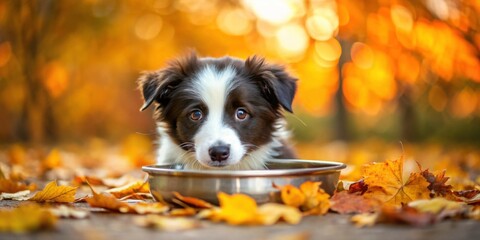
[(276, 84)]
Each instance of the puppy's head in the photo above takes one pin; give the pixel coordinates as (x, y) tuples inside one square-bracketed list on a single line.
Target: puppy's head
[(219, 109)]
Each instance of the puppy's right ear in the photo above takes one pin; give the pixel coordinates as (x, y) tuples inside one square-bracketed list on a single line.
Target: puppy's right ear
[(154, 86)]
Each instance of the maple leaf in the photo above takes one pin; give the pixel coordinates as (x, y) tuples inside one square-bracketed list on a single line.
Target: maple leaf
[(54, 193), (469, 196), (199, 203), (26, 218), (10, 186), (345, 202), (167, 223), (437, 183), (386, 184)]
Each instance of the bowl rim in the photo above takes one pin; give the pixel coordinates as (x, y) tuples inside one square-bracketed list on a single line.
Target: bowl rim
[(335, 166)]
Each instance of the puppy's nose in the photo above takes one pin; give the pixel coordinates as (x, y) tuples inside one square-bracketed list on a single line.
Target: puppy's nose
[(219, 153)]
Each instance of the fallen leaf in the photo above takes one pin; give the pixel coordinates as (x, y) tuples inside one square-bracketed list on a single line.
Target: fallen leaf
[(437, 183), (182, 212), (316, 199), (469, 196), (271, 213), (358, 186), (364, 219), (167, 223), (237, 209), (386, 185), (292, 196), (52, 161), (18, 196), (10, 186), (199, 203), (345, 203), (54, 193), (63, 211), (109, 202), (26, 218), (441, 207), (132, 190), (406, 215)]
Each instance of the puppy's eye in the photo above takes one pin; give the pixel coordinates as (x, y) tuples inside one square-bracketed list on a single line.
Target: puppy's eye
[(241, 114), (196, 115)]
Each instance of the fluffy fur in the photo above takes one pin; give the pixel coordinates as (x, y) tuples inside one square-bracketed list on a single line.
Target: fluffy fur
[(220, 113)]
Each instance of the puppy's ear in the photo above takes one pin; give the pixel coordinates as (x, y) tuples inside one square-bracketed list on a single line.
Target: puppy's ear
[(158, 85), (153, 85), (276, 84)]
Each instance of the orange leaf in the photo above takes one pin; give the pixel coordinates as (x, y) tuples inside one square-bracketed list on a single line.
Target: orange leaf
[(111, 203), (316, 199), (9, 186), (54, 193), (385, 183), (193, 201), (130, 190)]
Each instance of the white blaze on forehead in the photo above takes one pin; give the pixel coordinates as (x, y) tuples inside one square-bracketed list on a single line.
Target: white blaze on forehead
[(213, 87)]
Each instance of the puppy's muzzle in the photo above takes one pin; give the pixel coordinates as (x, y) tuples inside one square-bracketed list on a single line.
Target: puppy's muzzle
[(219, 153)]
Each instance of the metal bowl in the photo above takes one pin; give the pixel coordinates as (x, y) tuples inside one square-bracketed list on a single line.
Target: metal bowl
[(205, 184)]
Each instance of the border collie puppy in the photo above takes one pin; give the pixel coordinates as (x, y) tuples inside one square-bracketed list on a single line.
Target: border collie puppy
[(220, 113)]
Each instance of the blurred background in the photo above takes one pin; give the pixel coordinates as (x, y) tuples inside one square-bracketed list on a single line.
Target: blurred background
[(372, 72)]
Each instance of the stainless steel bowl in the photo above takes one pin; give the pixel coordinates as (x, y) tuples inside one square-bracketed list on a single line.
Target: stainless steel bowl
[(205, 184)]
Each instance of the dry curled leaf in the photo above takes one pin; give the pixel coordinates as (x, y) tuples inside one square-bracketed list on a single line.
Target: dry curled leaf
[(167, 223), (109, 202), (385, 183), (292, 196), (358, 187), (441, 207), (437, 183), (136, 190), (195, 202), (54, 193), (406, 215), (26, 218)]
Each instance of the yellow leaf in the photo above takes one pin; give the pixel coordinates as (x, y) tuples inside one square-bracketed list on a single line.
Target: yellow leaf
[(54, 193), (53, 160), (292, 196), (365, 219), (437, 205), (199, 203), (26, 218), (385, 183), (237, 209)]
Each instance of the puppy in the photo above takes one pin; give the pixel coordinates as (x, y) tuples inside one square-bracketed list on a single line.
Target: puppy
[(220, 113)]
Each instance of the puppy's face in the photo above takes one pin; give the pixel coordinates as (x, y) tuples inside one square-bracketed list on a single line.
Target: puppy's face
[(218, 109)]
